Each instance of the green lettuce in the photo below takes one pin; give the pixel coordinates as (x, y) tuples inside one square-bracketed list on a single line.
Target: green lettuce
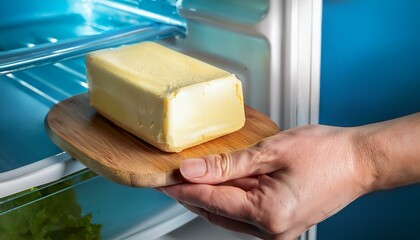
[(44, 215)]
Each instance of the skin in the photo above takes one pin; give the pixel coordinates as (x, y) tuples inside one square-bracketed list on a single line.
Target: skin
[(285, 184)]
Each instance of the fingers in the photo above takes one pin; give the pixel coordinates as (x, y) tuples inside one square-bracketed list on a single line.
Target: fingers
[(219, 168), (227, 201), (246, 184), (227, 223)]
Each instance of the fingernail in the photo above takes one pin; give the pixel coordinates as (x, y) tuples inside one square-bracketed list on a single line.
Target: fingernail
[(193, 168)]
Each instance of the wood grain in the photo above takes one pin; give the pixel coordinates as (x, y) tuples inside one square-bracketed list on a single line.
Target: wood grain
[(120, 156)]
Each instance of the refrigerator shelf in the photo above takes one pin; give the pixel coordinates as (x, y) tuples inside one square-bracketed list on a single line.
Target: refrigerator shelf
[(39, 34)]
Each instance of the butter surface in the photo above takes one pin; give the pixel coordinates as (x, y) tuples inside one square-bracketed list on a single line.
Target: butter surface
[(166, 98)]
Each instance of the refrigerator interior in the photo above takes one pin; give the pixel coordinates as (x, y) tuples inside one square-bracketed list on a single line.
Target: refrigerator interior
[(36, 73), (44, 192), (272, 46)]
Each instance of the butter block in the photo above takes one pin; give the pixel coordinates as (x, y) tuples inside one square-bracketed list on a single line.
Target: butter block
[(164, 97)]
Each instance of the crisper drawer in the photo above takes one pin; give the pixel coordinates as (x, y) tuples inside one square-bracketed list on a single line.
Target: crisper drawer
[(44, 193), (86, 206)]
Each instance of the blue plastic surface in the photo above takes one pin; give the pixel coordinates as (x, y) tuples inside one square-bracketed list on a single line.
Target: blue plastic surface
[(25, 99), (132, 205), (26, 24), (39, 35), (370, 72)]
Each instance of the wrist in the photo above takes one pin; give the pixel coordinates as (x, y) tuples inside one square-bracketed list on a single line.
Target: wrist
[(388, 152), (369, 158)]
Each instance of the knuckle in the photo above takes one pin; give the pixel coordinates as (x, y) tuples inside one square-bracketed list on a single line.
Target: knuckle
[(262, 144), (221, 165), (272, 226), (270, 149), (225, 164), (277, 223)]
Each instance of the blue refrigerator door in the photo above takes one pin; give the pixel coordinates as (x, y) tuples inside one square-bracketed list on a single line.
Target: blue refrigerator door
[(370, 72)]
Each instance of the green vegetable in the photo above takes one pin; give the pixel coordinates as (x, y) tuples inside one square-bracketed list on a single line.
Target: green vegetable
[(57, 216)]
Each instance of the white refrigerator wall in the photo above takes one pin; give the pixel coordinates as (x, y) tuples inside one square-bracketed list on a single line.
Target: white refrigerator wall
[(277, 57)]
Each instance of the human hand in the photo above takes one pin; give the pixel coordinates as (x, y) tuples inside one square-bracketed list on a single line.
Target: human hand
[(280, 187)]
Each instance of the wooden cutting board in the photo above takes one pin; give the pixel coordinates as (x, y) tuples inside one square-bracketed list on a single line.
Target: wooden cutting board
[(120, 156)]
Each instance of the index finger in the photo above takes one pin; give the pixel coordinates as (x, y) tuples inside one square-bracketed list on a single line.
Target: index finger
[(227, 201)]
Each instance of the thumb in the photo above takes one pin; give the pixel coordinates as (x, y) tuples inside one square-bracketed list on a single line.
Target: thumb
[(219, 168)]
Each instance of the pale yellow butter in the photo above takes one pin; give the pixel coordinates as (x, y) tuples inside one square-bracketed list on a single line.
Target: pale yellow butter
[(166, 98)]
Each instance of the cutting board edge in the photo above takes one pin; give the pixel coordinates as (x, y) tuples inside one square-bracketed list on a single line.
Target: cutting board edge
[(141, 180)]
